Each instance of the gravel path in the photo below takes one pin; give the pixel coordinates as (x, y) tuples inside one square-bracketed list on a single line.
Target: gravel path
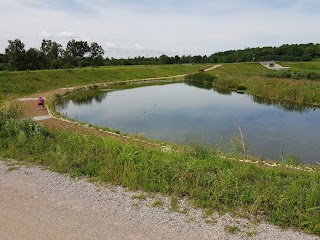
[(39, 204)]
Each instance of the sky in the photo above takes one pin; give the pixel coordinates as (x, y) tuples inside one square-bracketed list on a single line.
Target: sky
[(129, 28)]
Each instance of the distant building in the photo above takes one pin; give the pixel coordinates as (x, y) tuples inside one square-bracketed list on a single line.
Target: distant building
[(273, 66)]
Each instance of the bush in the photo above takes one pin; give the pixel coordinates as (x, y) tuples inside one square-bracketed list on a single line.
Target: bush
[(279, 74), (200, 77), (241, 88), (4, 67), (309, 75), (226, 84)]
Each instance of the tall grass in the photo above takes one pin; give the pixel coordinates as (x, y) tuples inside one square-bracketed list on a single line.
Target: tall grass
[(254, 78), (286, 197), (200, 79), (309, 75)]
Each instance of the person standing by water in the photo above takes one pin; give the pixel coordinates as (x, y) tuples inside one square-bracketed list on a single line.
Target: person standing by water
[(41, 102)]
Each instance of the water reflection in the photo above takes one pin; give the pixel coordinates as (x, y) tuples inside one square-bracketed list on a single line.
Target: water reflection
[(88, 98), (223, 91), (98, 96), (83, 98), (286, 106), (198, 84)]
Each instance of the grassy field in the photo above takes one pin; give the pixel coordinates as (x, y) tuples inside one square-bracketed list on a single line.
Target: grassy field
[(28, 82), (283, 196)]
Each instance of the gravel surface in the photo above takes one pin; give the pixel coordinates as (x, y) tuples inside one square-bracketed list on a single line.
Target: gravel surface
[(39, 204)]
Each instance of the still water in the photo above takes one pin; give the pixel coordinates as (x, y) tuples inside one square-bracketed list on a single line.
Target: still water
[(184, 114)]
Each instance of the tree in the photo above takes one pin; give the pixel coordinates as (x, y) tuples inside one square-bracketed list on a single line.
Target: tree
[(96, 54), (52, 52), (77, 49), (197, 59), (96, 50), (3, 62), (176, 59), (34, 59), (3, 58), (164, 59), (16, 55)]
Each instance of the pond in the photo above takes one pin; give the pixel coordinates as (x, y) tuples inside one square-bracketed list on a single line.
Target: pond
[(187, 114)]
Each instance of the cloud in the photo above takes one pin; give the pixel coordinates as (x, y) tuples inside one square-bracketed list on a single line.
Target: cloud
[(68, 6), (131, 27), (66, 35), (45, 34)]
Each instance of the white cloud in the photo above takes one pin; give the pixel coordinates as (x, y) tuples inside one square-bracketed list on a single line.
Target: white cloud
[(45, 34), (66, 35)]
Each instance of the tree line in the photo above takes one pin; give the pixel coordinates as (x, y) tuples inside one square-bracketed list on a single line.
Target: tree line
[(51, 55)]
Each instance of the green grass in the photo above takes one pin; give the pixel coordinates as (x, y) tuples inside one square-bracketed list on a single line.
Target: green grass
[(232, 229), (302, 66)]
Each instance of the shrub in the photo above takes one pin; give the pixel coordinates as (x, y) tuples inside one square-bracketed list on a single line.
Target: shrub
[(309, 75), (279, 74), (241, 88), (226, 84), (200, 77)]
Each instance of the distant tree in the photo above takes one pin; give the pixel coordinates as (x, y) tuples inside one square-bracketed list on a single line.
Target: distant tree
[(197, 59), (34, 59), (3, 58), (96, 50), (96, 54), (176, 59), (3, 62), (186, 59), (77, 49), (164, 59), (52, 53), (16, 55)]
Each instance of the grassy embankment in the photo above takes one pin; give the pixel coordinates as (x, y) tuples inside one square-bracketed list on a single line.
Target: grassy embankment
[(17, 84), (286, 197), (271, 85)]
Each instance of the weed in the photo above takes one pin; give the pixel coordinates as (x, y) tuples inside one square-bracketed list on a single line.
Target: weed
[(12, 168), (251, 234), (174, 206), (210, 221), (158, 204), (140, 197), (232, 229)]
